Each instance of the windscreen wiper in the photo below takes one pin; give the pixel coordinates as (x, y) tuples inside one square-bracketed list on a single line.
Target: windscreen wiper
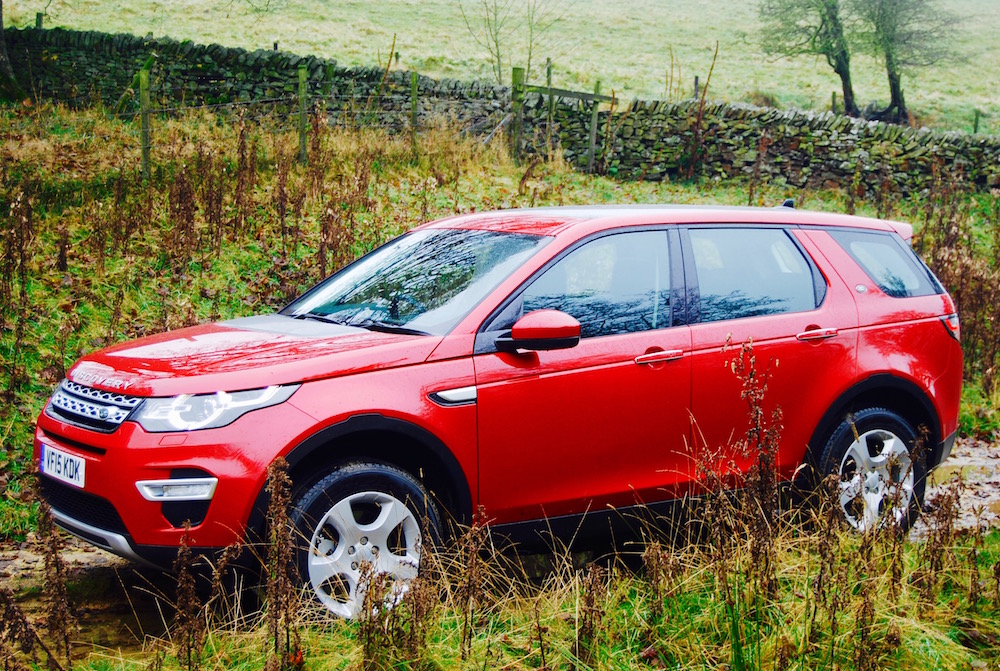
[(386, 327), (326, 319)]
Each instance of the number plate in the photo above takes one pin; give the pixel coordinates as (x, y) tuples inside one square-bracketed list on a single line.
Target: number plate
[(62, 466)]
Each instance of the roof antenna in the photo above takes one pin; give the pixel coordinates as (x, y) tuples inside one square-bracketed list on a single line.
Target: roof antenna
[(789, 202)]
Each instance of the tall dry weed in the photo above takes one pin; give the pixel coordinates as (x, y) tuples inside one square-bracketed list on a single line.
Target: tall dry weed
[(590, 621), (244, 199), (281, 588), (189, 626), (19, 236), (470, 589), (18, 637), (936, 556), (759, 447)]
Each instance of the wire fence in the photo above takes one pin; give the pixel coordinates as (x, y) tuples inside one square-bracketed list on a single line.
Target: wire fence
[(372, 103)]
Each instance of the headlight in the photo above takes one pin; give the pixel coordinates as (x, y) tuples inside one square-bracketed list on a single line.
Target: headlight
[(207, 411)]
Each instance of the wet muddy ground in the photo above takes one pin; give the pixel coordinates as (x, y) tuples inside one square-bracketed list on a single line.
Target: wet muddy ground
[(123, 609), (977, 464)]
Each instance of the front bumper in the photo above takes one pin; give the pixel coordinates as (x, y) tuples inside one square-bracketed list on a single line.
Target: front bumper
[(122, 507)]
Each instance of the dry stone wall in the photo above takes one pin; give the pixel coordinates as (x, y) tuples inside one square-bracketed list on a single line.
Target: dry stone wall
[(643, 140), (84, 68), (659, 140)]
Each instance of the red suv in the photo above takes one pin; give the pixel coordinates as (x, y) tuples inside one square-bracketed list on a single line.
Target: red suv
[(545, 364)]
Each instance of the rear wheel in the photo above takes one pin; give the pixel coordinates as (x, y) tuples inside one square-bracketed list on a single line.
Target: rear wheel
[(362, 519), (881, 478)]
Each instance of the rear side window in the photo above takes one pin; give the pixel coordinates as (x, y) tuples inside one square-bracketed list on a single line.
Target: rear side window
[(748, 272), (889, 262)]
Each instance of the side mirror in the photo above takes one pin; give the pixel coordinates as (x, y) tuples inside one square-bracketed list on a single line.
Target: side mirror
[(541, 330)]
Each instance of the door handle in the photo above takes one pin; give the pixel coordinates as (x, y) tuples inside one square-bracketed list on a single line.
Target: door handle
[(816, 334), (659, 356)]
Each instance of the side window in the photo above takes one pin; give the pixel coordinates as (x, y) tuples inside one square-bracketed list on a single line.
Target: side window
[(615, 284), (748, 272), (889, 263)]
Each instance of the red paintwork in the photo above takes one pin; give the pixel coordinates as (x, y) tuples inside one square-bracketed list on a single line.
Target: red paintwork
[(207, 358), (550, 433), (542, 324), (581, 429)]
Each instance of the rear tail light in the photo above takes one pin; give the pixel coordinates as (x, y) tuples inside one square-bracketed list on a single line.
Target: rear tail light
[(951, 324)]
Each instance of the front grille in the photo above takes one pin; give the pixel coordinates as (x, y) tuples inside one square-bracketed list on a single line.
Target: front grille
[(81, 506), (91, 408)]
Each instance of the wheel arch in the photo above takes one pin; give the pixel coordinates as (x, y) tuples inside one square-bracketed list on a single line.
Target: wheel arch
[(375, 437), (887, 391)]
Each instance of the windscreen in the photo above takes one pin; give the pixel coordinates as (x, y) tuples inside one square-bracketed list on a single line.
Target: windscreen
[(422, 282)]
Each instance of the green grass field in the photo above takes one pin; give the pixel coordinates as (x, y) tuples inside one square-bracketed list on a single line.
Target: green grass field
[(91, 256), (626, 45)]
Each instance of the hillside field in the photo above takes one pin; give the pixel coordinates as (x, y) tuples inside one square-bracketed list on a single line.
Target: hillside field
[(629, 46)]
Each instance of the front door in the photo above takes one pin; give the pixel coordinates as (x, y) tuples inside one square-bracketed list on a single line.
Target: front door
[(605, 423)]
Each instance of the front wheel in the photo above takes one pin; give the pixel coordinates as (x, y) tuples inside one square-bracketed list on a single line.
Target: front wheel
[(361, 519), (881, 475)]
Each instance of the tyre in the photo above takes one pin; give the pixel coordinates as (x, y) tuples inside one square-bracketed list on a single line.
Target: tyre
[(881, 476), (361, 517)]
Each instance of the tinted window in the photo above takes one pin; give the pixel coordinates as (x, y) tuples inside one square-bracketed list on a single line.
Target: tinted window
[(423, 281), (888, 262), (615, 284), (748, 272)]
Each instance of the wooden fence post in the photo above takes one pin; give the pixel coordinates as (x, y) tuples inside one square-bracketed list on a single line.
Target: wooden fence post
[(551, 106), (517, 100), (303, 121), (39, 20), (975, 122), (331, 70), (144, 115), (592, 148), (833, 103), (413, 112), (696, 86)]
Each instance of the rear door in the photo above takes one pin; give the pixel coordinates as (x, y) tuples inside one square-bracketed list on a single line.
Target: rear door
[(764, 286), (604, 423)]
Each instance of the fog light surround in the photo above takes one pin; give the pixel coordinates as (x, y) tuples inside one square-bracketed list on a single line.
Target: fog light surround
[(178, 489)]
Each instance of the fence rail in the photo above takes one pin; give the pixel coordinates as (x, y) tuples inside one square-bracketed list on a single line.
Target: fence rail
[(566, 93)]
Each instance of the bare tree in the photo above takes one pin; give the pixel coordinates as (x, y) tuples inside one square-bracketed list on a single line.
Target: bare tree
[(490, 27), (511, 31), (809, 28), (10, 90), (905, 34), (540, 17)]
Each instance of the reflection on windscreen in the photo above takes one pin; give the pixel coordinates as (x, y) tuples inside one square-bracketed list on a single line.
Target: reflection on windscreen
[(424, 281)]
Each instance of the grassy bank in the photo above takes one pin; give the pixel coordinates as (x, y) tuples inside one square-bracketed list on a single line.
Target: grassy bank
[(631, 48), (733, 585), (231, 225)]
